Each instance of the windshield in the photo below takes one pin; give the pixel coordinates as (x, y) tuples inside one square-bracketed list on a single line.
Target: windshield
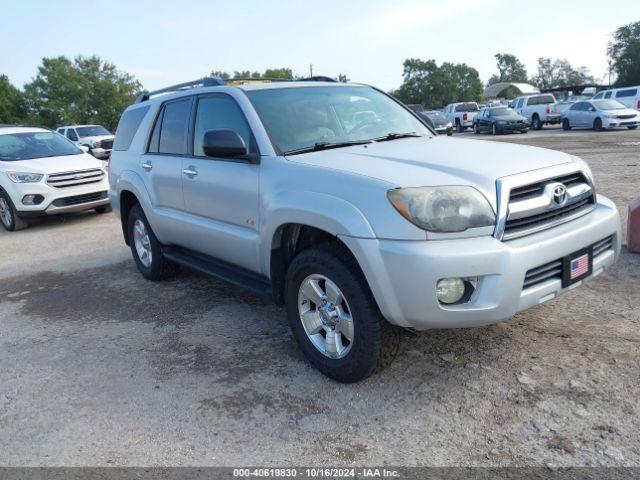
[(499, 112), (297, 118), (608, 104), (92, 131), (467, 107), (436, 116), (26, 146)]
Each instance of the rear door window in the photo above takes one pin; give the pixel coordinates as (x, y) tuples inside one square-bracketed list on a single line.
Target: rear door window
[(173, 131), (608, 95)]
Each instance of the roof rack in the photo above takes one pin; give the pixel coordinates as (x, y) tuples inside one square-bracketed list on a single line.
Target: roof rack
[(317, 78), (202, 82), (217, 81)]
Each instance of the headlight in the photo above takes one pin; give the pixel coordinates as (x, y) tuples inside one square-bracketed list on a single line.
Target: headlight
[(25, 177), (443, 209), (585, 168), (96, 144)]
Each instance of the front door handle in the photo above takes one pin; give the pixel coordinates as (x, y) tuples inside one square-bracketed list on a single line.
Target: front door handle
[(147, 165), (190, 171)]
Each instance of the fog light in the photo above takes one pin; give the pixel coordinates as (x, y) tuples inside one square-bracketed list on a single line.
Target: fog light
[(32, 199), (450, 290)]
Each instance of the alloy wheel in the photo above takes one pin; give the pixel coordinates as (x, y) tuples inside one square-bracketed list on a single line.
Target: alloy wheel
[(325, 316), (142, 243), (5, 212)]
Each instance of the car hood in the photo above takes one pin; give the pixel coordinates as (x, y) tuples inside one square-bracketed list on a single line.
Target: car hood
[(509, 117), (98, 137), (63, 163), (434, 161), (626, 111)]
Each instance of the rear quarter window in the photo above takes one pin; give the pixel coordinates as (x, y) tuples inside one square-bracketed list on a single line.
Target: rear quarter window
[(127, 127), (629, 92)]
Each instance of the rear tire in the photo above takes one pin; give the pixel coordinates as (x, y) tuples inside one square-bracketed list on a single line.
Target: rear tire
[(536, 122), (597, 125), (146, 249), (374, 342), (476, 129), (565, 124), (8, 214)]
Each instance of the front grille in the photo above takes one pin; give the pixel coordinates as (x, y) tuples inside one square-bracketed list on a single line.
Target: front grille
[(72, 179), (553, 270), (625, 116), (532, 208), (536, 189), (107, 144), (80, 199)]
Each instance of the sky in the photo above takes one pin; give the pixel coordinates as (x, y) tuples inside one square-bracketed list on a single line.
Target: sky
[(165, 42)]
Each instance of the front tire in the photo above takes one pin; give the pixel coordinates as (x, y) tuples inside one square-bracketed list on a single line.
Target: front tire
[(146, 249), (565, 124), (633, 127), (333, 315), (476, 129), (597, 124), (8, 215)]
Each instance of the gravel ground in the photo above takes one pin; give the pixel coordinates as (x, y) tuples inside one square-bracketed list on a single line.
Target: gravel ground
[(100, 367)]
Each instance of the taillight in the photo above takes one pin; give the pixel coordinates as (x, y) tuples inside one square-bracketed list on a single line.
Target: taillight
[(638, 106), (464, 117), (548, 109)]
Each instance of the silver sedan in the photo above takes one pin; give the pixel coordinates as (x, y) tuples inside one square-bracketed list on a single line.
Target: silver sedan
[(600, 114)]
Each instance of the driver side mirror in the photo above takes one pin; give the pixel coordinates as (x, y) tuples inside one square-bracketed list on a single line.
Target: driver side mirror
[(592, 109), (225, 143)]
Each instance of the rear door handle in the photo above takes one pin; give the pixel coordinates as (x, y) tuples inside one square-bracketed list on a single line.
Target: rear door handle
[(190, 171), (147, 165)]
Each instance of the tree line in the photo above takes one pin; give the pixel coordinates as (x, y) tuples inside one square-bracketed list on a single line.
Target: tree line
[(91, 90)]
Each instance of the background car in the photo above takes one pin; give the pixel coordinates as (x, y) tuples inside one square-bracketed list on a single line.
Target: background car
[(436, 120), (43, 173), (628, 96), (461, 114), (540, 109), (600, 114), (500, 120), (96, 138)]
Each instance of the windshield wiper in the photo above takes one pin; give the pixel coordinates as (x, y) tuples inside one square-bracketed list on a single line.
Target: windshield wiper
[(325, 146), (395, 136)]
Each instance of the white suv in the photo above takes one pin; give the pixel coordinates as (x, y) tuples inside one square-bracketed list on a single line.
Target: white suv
[(96, 138), (339, 202), (43, 173)]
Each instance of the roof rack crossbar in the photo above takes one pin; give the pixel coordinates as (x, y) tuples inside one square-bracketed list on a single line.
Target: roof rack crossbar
[(202, 82)]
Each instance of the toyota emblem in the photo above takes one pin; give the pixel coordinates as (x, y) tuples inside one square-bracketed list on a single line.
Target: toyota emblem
[(559, 193)]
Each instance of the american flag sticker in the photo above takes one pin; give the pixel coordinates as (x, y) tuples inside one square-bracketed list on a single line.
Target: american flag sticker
[(579, 266)]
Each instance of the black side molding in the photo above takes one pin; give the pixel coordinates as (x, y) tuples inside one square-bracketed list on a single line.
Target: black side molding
[(233, 274)]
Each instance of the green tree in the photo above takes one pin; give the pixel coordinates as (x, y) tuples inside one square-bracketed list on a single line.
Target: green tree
[(12, 104), (279, 73), (624, 54), (342, 78), (220, 74), (559, 73), (85, 90), (434, 86), (510, 69)]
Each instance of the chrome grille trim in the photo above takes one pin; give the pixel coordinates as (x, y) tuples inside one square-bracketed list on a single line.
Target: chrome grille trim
[(525, 207), (72, 179)]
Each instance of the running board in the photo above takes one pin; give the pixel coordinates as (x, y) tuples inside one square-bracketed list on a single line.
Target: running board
[(235, 275)]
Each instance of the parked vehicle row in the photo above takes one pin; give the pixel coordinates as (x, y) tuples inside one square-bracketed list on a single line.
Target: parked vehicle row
[(336, 201)]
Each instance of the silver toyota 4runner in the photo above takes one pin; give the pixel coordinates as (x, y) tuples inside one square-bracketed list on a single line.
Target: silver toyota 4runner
[(338, 202)]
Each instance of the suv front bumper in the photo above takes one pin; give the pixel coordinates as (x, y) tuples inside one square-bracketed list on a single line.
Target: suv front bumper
[(403, 274)]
